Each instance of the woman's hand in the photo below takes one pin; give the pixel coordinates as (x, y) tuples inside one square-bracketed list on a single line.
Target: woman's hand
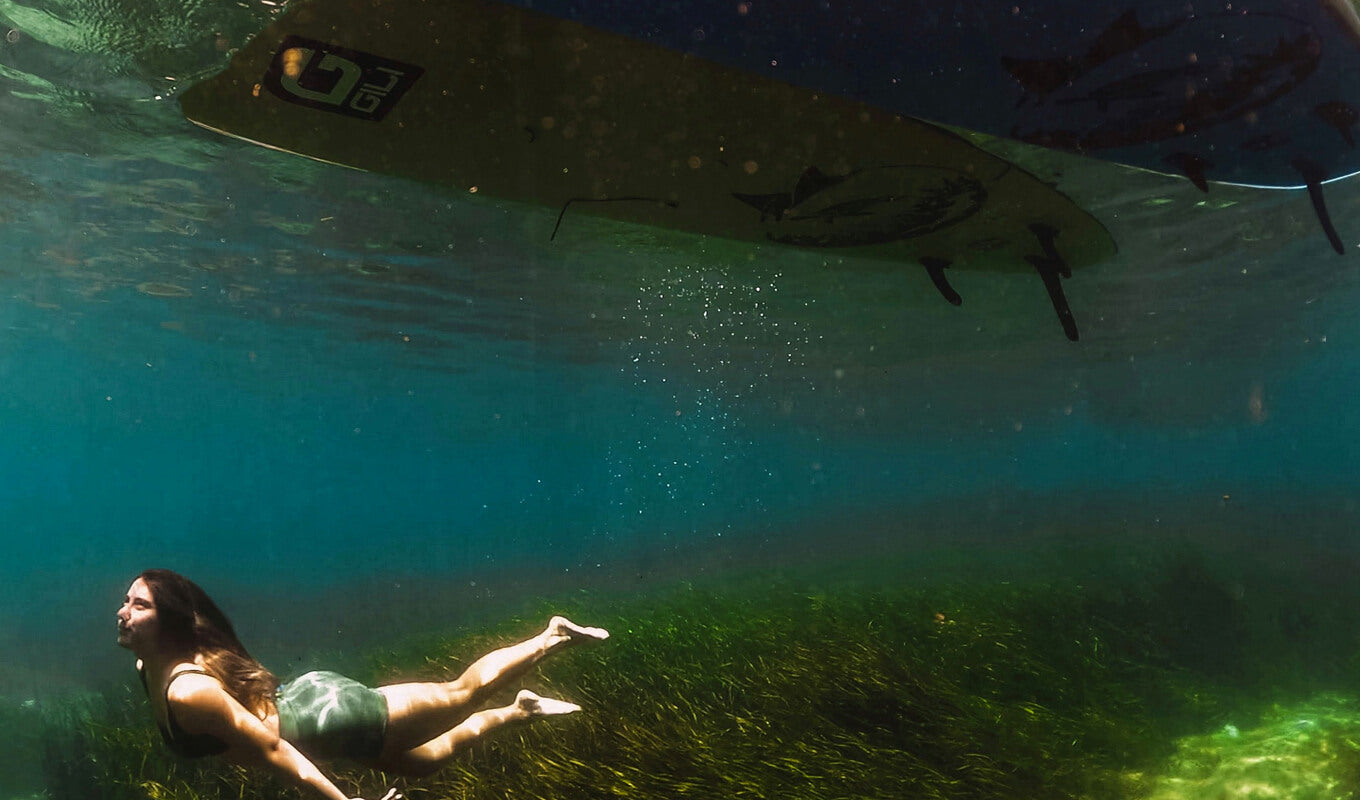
[(392, 794)]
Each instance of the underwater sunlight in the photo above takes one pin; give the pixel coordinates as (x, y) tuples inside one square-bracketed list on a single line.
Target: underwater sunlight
[(829, 399)]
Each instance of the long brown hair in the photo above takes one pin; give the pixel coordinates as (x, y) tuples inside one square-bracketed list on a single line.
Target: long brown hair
[(191, 623)]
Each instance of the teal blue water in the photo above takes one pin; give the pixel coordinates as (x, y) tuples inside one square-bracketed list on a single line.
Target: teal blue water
[(285, 378)]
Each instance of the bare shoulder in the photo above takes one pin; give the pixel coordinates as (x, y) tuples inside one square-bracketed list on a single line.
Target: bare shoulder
[(203, 705), (189, 686)]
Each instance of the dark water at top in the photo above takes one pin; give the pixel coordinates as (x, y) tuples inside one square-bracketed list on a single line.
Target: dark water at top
[(283, 377)]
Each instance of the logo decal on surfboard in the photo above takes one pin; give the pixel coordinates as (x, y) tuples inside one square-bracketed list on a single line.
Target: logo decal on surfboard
[(336, 79)]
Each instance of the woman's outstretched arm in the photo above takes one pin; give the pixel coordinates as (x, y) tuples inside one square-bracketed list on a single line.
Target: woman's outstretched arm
[(202, 706)]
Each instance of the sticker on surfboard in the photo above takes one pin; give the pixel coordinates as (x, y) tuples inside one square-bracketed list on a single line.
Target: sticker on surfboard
[(1253, 92), (330, 78), (526, 107)]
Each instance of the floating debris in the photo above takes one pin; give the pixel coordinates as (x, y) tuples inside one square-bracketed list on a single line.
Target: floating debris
[(157, 289)]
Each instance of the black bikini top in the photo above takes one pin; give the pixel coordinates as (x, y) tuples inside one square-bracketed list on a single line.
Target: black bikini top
[(181, 742)]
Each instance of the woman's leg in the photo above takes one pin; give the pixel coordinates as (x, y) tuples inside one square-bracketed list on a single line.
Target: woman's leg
[(430, 756), (418, 712)]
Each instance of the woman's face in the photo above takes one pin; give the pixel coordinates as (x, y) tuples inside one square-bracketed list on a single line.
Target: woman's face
[(137, 618)]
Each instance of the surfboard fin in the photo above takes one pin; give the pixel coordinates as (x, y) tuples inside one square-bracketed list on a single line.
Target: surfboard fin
[(1312, 176), (1341, 116), (935, 268), (1052, 268), (1192, 167)]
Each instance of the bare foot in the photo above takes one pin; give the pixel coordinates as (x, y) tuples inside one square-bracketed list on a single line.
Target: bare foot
[(562, 631), (535, 706)]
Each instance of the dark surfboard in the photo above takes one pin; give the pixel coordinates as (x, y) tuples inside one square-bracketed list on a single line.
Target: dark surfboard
[(513, 104), (1254, 92)]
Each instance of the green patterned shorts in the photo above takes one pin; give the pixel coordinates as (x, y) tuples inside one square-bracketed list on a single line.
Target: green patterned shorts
[(326, 715)]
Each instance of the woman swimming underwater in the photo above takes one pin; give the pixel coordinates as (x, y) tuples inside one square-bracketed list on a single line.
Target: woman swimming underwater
[(210, 697)]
